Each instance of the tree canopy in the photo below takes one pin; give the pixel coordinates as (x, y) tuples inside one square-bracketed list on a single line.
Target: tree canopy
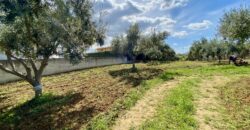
[(149, 47), (153, 47), (235, 25)]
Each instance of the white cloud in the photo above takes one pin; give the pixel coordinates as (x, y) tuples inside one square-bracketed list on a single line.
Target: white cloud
[(148, 13), (148, 5), (169, 4), (145, 4), (180, 34), (133, 19), (199, 26), (147, 24)]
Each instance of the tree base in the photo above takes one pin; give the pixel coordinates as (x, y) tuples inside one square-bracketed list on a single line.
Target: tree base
[(133, 69), (38, 90)]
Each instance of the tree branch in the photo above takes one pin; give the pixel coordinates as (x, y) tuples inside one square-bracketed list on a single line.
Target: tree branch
[(33, 65), (28, 70), (14, 72), (10, 61)]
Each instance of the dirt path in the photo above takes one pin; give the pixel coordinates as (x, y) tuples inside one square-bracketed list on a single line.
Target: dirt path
[(208, 104), (145, 108)]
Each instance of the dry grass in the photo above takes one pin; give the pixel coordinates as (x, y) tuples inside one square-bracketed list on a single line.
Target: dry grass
[(236, 99)]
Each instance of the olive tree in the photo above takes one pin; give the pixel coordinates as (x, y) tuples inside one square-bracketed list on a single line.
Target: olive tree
[(133, 36), (145, 47), (153, 47), (34, 30), (219, 49), (235, 26), (199, 50)]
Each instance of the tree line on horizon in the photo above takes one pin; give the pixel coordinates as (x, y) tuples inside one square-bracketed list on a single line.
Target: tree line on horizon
[(216, 49)]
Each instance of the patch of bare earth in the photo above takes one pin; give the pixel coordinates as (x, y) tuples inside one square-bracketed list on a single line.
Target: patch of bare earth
[(145, 108), (208, 103)]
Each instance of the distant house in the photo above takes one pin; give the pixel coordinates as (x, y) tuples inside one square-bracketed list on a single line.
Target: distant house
[(104, 49)]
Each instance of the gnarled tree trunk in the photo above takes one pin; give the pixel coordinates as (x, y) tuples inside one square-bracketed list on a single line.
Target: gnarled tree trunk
[(33, 78)]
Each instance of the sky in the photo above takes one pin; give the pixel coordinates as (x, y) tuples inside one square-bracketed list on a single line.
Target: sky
[(185, 20)]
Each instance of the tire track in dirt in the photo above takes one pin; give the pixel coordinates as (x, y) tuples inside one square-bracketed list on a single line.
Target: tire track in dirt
[(207, 104), (145, 108)]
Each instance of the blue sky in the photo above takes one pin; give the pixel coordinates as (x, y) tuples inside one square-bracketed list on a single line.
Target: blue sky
[(185, 20)]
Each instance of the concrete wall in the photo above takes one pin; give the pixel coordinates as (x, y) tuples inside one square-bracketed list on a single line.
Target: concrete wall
[(2, 57), (61, 65)]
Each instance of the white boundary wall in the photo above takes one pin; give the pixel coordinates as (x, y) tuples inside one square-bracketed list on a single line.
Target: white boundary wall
[(56, 66)]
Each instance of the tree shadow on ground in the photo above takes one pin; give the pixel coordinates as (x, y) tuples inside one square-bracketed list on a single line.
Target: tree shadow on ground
[(136, 78), (47, 112)]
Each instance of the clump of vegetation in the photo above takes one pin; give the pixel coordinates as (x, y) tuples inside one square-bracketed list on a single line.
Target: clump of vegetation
[(216, 49), (151, 47), (209, 49)]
